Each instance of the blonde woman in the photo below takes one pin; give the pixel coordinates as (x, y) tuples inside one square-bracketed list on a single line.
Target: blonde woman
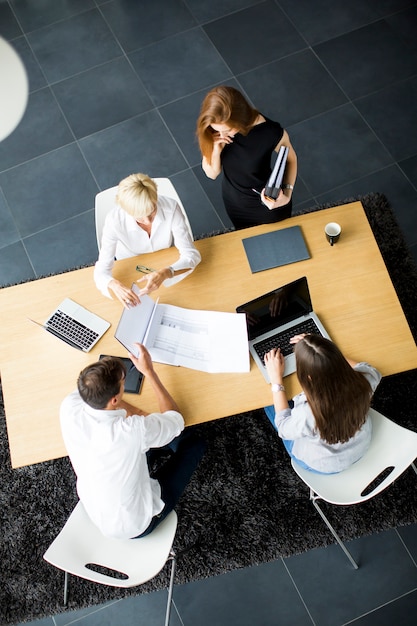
[(143, 222)]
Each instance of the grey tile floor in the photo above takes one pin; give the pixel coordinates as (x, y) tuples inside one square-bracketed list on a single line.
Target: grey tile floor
[(115, 87)]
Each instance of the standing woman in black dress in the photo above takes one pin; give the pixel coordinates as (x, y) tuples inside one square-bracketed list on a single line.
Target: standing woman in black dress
[(237, 139)]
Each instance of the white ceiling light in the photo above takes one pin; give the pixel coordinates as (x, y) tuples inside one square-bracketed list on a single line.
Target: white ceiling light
[(14, 89)]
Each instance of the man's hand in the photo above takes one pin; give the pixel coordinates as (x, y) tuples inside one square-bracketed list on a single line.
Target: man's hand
[(143, 362)]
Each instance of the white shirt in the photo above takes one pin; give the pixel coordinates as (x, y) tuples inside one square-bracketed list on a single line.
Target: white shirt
[(122, 238), (108, 453)]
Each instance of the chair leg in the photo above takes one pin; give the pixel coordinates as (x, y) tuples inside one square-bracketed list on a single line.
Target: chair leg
[(314, 498), (172, 557), (65, 588)]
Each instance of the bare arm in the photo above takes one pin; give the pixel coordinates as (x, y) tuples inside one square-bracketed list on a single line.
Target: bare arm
[(213, 167), (275, 366), (351, 362), (291, 169), (144, 364)]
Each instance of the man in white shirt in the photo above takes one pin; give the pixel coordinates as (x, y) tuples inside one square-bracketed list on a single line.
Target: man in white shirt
[(109, 441), (143, 222)]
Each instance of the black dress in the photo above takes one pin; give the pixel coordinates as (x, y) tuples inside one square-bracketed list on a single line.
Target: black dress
[(246, 165)]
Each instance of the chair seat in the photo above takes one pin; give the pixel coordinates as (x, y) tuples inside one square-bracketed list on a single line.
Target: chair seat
[(80, 543), (392, 446), (392, 450)]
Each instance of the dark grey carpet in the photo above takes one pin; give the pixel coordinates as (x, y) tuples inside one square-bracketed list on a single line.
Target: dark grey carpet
[(244, 505)]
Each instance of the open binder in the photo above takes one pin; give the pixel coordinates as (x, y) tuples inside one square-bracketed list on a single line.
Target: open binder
[(274, 183), (209, 341)]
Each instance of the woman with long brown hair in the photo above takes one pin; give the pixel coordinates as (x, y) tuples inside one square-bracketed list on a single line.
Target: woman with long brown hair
[(236, 139), (328, 427)]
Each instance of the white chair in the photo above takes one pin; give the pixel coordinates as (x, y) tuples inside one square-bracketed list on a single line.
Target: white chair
[(105, 201), (166, 188), (393, 449), (80, 546)]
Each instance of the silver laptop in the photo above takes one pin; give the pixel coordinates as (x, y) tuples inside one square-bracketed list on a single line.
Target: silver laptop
[(275, 317), (75, 325)]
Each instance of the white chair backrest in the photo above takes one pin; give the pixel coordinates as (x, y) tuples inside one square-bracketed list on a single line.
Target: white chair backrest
[(166, 188), (392, 446), (80, 543), (105, 201)]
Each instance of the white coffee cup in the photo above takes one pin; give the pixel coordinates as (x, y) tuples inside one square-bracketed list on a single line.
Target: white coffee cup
[(332, 231)]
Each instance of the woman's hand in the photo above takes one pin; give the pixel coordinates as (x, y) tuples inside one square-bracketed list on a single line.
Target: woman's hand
[(126, 296), (297, 338), (213, 167), (275, 365), (281, 200), (220, 141), (153, 280)]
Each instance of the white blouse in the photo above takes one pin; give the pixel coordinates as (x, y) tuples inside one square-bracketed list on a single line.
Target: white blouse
[(123, 238)]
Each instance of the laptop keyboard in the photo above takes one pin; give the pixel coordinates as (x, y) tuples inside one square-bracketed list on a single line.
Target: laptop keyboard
[(71, 331), (282, 340)]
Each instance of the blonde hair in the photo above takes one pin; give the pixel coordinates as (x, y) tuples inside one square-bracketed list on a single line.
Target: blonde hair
[(223, 105), (137, 195)]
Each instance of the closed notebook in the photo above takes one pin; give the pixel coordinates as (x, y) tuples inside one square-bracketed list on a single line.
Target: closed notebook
[(279, 247)]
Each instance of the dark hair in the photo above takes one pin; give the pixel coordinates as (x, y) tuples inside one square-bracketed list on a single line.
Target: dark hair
[(339, 396), (223, 105), (99, 382)]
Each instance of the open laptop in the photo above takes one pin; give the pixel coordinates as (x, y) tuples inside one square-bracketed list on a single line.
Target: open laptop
[(275, 317), (75, 325)]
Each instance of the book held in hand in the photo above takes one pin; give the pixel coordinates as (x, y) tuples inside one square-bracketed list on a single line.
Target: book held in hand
[(274, 183)]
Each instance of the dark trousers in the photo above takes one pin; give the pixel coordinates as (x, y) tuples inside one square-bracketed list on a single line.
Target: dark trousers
[(175, 473)]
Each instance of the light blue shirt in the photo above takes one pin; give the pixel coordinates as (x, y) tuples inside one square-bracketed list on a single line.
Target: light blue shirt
[(299, 426)]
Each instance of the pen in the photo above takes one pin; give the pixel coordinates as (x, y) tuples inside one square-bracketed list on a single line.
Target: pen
[(144, 269), (256, 191)]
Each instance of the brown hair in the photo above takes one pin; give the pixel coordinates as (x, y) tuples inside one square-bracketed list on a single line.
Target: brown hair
[(223, 105), (339, 397), (100, 382)]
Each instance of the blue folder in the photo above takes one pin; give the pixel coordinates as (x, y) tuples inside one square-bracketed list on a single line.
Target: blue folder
[(279, 247)]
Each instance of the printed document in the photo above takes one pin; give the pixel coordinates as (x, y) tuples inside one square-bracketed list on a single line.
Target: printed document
[(209, 341)]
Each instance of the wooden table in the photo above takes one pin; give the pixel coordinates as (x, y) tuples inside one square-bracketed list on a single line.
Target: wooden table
[(350, 289)]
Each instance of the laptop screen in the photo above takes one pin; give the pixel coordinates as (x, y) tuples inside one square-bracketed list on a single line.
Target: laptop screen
[(277, 307)]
